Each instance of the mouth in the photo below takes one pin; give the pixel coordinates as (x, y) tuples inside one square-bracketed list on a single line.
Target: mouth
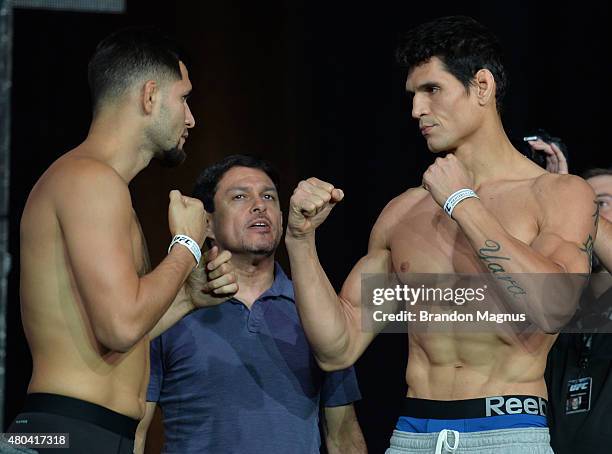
[(425, 129), (260, 226)]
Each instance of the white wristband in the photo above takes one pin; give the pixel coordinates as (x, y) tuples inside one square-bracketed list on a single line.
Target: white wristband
[(190, 244), (455, 198)]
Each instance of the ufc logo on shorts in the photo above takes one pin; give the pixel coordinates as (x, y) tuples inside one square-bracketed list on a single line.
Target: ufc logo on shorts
[(499, 405), (579, 387)]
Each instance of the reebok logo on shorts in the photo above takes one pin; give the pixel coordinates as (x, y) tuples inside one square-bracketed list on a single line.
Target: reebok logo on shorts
[(500, 405)]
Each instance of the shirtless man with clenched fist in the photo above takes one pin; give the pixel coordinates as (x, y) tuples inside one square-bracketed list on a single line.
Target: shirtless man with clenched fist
[(90, 300), (465, 390)]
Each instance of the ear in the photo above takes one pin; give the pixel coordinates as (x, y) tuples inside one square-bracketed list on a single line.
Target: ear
[(150, 95), (485, 86), (208, 230)]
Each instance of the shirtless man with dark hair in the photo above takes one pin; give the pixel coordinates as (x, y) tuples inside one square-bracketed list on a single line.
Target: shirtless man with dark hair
[(538, 222), (90, 302)]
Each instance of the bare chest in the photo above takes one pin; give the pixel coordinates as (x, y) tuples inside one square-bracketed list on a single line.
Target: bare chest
[(426, 240)]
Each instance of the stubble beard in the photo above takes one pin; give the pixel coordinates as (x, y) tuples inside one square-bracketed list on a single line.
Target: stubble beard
[(260, 249), (172, 157)]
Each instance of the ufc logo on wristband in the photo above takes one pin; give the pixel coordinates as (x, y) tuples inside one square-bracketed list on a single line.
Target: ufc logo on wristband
[(190, 244), (457, 197)]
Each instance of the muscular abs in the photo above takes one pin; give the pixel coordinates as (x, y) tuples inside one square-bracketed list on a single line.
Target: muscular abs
[(463, 365)]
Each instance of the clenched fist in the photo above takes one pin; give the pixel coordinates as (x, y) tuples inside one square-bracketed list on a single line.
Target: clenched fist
[(445, 176), (310, 205), (213, 281), (186, 217)]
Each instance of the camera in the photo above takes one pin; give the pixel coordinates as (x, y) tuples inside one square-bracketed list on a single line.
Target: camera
[(538, 156)]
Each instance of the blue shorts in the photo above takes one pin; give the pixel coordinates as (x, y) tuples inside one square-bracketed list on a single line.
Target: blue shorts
[(473, 415)]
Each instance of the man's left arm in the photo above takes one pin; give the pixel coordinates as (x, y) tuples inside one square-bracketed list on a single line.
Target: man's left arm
[(340, 427), (567, 228), (342, 432), (212, 282)]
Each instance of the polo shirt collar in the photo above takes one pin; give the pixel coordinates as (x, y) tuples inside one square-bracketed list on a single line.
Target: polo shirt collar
[(281, 287)]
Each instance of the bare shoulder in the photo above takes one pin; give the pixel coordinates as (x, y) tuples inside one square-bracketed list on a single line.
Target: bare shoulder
[(394, 211), (400, 205), (78, 177), (562, 190), (72, 169)]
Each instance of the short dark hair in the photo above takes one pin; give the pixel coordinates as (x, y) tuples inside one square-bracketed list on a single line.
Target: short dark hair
[(208, 181), (596, 172), (129, 55), (462, 44)]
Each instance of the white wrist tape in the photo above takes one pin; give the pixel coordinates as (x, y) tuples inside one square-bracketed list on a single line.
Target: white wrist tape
[(190, 244), (457, 197)]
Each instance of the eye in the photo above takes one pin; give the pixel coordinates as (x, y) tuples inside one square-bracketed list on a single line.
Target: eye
[(269, 197), (602, 203), (238, 197), (433, 89)]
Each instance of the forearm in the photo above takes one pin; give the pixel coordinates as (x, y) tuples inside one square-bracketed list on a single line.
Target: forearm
[(143, 428), (495, 247), (322, 312), (515, 266), (180, 307), (603, 243), (156, 292), (342, 432)]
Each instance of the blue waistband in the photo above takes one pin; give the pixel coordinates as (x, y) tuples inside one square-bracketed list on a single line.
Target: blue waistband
[(519, 421)]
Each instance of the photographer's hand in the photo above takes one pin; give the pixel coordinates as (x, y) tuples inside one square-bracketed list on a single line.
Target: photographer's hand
[(555, 159)]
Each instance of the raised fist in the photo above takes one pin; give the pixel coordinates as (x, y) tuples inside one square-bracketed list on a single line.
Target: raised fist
[(446, 176), (186, 217), (310, 205)]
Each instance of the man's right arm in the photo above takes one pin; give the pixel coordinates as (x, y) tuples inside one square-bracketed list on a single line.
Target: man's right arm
[(94, 210), (331, 322), (140, 440)]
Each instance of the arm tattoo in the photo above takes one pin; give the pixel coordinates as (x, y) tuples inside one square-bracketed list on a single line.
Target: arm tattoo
[(587, 248), (492, 261)]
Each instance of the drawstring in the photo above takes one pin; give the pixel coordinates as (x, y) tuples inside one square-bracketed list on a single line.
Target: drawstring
[(443, 440)]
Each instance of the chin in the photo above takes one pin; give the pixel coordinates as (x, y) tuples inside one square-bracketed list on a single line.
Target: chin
[(263, 248), (261, 251), (437, 147), (172, 158)]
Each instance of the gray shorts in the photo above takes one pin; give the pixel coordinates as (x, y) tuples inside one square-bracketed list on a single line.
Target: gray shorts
[(503, 441)]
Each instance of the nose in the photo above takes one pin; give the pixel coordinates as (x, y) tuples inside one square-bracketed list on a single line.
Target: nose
[(259, 205), (420, 106), (189, 120)]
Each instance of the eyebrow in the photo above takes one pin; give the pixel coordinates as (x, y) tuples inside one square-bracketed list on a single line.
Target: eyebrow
[(246, 189), (604, 194)]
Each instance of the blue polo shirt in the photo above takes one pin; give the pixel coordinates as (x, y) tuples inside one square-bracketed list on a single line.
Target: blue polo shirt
[(234, 380)]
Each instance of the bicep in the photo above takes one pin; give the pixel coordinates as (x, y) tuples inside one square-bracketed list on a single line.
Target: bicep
[(377, 261), (569, 225)]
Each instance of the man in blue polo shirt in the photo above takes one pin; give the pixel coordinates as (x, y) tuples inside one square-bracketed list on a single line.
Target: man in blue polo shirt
[(240, 377)]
